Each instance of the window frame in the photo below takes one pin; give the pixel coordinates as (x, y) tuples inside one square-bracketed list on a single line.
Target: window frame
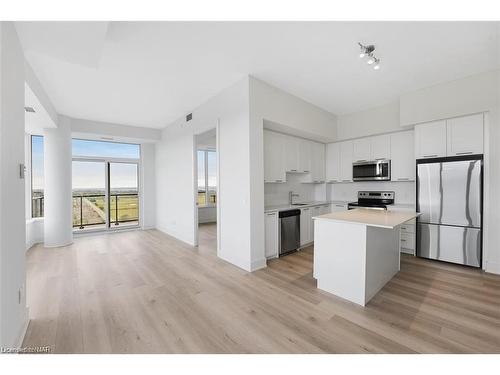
[(31, 177), (205, 167)]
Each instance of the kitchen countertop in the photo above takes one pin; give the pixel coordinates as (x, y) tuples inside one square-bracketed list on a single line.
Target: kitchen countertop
[(374, 218), (284, 207)]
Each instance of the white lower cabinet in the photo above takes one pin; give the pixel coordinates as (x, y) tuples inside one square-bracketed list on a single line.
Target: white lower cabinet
[(305, 225), (271, 234), (407, 239)]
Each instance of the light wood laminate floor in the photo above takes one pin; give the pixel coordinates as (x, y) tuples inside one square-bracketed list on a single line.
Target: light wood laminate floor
[(145, 292)]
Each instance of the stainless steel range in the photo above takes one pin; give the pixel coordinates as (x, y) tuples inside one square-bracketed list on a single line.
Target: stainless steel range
[(378, 200)]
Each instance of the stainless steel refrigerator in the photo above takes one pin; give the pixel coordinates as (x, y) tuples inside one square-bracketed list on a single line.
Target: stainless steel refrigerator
[(449, 197)]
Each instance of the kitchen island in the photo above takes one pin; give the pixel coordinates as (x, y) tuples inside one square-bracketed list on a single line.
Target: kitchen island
[(356, 252)]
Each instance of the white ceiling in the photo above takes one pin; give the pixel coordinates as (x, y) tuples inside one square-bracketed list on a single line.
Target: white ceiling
[(151, 73)]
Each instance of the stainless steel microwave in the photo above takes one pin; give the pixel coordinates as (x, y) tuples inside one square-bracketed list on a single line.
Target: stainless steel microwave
[(376, 170)]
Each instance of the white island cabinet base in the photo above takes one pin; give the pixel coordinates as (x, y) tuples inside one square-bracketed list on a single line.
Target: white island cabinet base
[(352, 259)]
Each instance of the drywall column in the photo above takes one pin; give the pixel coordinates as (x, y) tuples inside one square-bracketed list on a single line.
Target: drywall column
[(13, 311), (58, 229)]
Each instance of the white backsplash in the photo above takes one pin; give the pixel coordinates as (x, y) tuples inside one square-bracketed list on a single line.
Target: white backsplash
[(404, 191), (276, 194)]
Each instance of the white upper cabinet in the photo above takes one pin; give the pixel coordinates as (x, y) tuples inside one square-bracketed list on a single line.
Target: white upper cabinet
[(381, 147), (291, 154), (274, 157), (333, 162), (465, 135), (361, 150), (318, 162), (402, 156), (430, 140), (346, 150), (305, 151)]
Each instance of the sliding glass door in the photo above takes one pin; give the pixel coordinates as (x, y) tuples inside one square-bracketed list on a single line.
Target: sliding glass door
[(89, 195), (123, 194), (105, 194)]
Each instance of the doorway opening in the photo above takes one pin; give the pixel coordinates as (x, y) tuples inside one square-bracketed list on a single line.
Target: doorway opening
[(207, 189)]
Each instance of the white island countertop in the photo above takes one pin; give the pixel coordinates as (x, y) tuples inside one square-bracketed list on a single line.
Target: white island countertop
[(369, 217)]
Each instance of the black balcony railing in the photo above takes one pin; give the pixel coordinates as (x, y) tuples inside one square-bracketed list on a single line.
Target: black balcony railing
[(37, 206), (91, 210)]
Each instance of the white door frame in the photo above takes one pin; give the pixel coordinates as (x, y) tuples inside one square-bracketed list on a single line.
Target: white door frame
[(217, 188)]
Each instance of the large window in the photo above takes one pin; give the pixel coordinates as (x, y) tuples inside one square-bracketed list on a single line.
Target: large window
[(37, 176), (207, 178), (105, 184)]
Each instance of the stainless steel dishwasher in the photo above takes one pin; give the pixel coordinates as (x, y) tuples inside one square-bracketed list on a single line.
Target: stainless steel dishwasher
[(289, 231)]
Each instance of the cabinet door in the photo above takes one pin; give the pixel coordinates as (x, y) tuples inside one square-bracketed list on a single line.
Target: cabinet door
[(316, 211), (465, 135), (305, 226), (274, 168), (336, 207), (333, 162), (318, 162), (402, 157), (430, 140), (271, 234), (305, 151), (346, 161), (361, 150), (291, 154), (381, 147)]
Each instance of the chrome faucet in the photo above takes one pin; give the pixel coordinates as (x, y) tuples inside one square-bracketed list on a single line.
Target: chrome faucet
[(291, 194)]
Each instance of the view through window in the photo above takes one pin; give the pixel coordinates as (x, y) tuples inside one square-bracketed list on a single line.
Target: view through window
[(105, 184), (37, 176), (207, 178)]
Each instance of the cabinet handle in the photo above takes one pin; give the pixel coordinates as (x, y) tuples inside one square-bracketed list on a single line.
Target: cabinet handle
[(463, 153), (306, 171), (403, 240), (380, 158), (403, 178), (346, 180), (293, 170), (306, 209), (358, 161), (429, 156), (339, 205), (271, 214), (279, 180)]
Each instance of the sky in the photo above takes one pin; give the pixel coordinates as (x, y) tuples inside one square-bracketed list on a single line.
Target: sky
[(88, 175)]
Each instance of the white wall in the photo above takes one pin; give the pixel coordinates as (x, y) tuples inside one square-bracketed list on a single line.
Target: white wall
[(289, 114), (13, 311), (119, 133), (148, 186), (57, 165), (176, 179), (277, 194), (404, 191), (383, 119)]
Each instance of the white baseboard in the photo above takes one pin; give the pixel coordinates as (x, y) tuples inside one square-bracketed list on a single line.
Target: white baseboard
[(493, 267), (258, 264), (175, 235)]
